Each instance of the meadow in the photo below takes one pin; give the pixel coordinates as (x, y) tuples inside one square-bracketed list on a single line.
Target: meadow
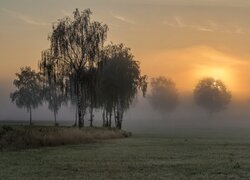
[(138, 157)]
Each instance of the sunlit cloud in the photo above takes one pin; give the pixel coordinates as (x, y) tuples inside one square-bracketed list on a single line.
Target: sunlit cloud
[(26, 19), (123, 19), (221, 3), (207, 26), (178, 22)]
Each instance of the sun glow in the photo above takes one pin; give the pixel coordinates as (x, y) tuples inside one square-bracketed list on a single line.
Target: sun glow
[(217, 73), (222, 74), (187, 66)]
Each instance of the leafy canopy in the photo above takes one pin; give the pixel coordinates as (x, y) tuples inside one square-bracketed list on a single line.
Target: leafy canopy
[(212, 95), (120, 77), (164, 95), (28, 94)]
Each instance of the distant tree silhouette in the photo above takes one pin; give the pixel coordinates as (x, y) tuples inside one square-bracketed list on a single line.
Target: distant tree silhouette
[(212, 95), (29, 90), (75, 47), (164, 95), (120, 79)]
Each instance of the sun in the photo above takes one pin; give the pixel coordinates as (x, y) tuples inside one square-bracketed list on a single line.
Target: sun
[(215, 72), (218, 73)]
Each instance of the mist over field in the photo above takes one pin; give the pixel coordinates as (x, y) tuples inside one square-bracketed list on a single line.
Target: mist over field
[(142, 118)]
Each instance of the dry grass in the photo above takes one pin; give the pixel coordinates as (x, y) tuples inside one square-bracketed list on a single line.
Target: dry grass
[(19, 137)]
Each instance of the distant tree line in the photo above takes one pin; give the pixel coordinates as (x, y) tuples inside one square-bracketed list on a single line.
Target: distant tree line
[(77, 68)]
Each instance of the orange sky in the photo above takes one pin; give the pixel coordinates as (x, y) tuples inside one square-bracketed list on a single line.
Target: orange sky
[(187, 65), (184, 40)]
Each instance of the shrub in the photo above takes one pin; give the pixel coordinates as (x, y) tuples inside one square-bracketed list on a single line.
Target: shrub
[(28, 137)]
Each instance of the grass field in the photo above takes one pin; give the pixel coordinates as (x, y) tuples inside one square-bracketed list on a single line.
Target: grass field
[(139, 157)]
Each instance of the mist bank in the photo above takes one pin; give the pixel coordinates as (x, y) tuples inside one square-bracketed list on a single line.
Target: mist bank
[(142, 118)]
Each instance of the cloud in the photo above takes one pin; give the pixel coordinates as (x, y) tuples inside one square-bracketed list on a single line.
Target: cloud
[(26, 19), (123, 19), (214, 3), (178, 22), (207, 26)]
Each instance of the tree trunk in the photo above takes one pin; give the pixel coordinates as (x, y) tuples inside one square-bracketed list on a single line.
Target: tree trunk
[(79, 97), (76, 117), (119, 117), (91, 117), (80, 121), (30, 116), (107, 119), (115, 117), (103, 118), (55, 118), (110, 118), (80, 112), (119, 123), (83, 117), (91, 109)]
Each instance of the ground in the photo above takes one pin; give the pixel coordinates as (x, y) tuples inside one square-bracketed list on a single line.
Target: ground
[(138, 157)]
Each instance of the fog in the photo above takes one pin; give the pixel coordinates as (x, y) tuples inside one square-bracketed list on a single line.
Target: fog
[(188, 117), (141, 118)]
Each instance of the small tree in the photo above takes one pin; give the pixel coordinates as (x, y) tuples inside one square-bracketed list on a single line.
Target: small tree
[(212, 95), (164, 95), (29, 93)]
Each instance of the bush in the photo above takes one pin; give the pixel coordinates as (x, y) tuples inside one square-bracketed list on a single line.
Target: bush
[(7, 128), (20, 137)]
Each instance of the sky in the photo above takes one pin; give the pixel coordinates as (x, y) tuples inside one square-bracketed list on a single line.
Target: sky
[(185, 40)]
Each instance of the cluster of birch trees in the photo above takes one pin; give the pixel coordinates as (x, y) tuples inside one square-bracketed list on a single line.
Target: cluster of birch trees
[(79, 69)]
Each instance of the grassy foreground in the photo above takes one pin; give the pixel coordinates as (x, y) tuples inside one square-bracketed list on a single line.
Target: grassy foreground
[(138, 157), (23, 137)]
